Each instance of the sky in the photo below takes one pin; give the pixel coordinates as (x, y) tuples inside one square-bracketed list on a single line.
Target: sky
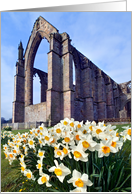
[(103, 37)]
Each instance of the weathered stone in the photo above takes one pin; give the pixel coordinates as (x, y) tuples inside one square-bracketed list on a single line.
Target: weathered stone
[(95, 95)]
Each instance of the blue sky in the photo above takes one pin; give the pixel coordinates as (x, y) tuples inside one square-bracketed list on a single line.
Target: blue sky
[(104, 37)]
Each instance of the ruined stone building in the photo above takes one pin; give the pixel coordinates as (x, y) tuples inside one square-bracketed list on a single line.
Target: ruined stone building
[(95, 95)]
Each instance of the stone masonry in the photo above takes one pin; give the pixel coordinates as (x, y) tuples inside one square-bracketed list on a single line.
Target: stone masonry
[(95, 95)]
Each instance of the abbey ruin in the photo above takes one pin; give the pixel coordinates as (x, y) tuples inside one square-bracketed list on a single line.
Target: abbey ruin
[(95, 95)]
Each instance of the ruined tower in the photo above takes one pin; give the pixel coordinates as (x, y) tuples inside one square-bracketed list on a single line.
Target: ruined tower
[(19, 90), (95, 95)]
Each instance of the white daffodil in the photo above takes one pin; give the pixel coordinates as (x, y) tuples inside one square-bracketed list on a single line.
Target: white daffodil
[(23, 167), (80, 180), (41, 127), (66, 151), (78, 125), (16, 150), (126, 134), (104, 148), (5, 147), (44, 179), (41, 154), (58, 153), (58, 129), (72, 125), (62, 153), (41, 141), (79, 189), (68, 138), (40, 163), (88, 143), (29, 174), (31, 143), (48, 138), (116, 143), (53, 140), (60, 170), (79, 154), (77, 135), (65, 122), (11, 157), (98, 131)]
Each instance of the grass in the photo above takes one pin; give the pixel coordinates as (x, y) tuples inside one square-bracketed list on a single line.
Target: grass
[(11, 177), (20, 131), (8, 173)]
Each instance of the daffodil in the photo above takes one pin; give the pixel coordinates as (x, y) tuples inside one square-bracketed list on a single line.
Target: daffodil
[(23, 167), (29, 174), (60, 170), (79, 180), (44, 179), (5, 146), (58, 129), (98, 132), (65, 122), (78, 125), (126, 134), (79, 154), (116, 143), (66, 151), (53, 140), (79, 189), (104, 148), (41, 153), (88, 143), (68, 138), (31, 143), (48, 138)]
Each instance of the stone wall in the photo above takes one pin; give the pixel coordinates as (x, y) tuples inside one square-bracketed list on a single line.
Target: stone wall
[(35, 112)]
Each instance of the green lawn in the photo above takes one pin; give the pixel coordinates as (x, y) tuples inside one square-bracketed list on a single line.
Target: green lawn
[(11, 177), (20, 131)]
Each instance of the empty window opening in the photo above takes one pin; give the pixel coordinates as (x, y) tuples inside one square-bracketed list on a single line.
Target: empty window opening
[(36, 89), (74, 77), (41, 63)]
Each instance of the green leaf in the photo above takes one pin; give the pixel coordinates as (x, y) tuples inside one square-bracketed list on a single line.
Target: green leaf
[(98, 188), (94, 175), (128, 188), (108, 177), (118, 188), (120, 176), (96, 166)]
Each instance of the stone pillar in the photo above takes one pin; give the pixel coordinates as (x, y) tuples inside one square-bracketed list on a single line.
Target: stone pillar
[(116, 99), (19, 79), (67, 80), (94, 93), (53, 94), (87, 93), (43, 91), (29, 86), (102, 113), (110, 100)]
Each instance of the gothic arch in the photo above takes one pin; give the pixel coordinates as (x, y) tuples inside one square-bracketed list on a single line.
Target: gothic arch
[(42, 29)]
